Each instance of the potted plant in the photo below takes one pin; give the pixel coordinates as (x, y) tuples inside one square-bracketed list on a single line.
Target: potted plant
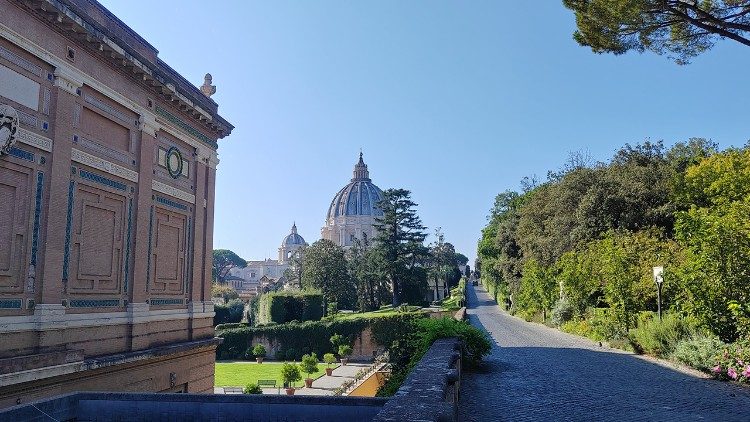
[(329, 359), (252, 389), (309, 366), (259, 351), (290, 374), (344, 351)]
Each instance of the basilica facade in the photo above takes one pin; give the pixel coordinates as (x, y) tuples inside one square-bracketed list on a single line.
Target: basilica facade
[(353, 210)]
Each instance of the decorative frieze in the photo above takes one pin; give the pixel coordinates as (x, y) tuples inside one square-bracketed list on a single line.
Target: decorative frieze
[(20, 62), (107, 109), (102, 180), (172, 191), (10, 303), (37, 141), (103, 150), (171, 118), (163, 302), (103, 165), (27, 119), (170, 203), (94, 303)]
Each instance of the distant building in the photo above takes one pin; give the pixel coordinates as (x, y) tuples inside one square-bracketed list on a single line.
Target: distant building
[(268, 272), (353, 210), (107, 170)]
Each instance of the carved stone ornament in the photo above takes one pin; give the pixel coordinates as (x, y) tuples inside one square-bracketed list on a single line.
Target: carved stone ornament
[(8, 128)]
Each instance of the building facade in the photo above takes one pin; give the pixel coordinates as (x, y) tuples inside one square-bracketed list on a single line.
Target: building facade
[(107, 175), (258, 274), (351, 215)]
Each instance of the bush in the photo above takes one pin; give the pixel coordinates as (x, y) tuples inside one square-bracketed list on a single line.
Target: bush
[(733, 362), (698, 351), (345, 350), (281, 307), (259, 351), (605, 326), (290, 354), (329, 359), (280, 355), (309, 364), (252, 388), (231, 313), (313, 336), (290, 373), (562, 312), (659, 338)]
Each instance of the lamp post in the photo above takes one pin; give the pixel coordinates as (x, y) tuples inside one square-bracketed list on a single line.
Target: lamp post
[(659, 280)]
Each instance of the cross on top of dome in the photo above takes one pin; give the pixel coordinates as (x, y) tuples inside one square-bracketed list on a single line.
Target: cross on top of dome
[(360, 170)]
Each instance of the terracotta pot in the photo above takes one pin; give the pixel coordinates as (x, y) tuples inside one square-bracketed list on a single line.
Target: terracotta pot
[(344, 361), (329, 371), (259, 359), (308, 382), (290, 391)]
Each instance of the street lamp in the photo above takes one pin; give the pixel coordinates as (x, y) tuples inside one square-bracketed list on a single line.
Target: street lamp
[(659, 280)]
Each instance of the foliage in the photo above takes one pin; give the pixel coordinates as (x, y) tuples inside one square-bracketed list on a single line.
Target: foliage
[(698, 351), (681, 29), (309, 363), (365, 265), (293, 305), (345, 350), (229, 313), (337, 340), (406, 352), (223, 261), (224, 291), (252, 388), (329, 359), (399, 241), (659, 338), (733, 362), (259, 351), (290, 354), (290, 373), (313, 336), (562, 312), (324, 267)]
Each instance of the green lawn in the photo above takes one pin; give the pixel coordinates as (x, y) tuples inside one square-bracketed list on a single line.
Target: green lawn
[(239, 374), (378, 313)]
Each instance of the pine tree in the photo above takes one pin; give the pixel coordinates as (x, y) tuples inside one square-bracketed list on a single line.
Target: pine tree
[(400, 236)]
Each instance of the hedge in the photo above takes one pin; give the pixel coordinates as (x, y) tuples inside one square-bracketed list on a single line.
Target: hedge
[(314, 336), (281, 307), (229, 313)]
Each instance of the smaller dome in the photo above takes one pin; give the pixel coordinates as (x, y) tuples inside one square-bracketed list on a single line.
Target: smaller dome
[(293, 238)]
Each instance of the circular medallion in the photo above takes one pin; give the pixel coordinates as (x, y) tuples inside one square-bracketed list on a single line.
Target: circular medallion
[(174, 162)]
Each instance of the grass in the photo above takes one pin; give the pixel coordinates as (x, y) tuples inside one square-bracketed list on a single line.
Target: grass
[(239, 374), (373, 314)]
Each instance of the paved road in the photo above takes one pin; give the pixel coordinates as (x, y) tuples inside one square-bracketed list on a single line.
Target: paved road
[(536, 373)]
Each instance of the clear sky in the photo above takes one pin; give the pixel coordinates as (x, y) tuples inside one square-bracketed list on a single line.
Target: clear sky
[(453, 100)]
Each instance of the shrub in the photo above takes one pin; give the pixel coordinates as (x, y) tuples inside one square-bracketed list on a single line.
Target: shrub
[(290, 373), (659, 338), (281, 307), (290, 354), (329, 359), (733, 362), (279, 355), (309, 364), (337, 340), (259, 351), (252, 388), (345, 350), (562, 312), (605, 326), (698, 351)]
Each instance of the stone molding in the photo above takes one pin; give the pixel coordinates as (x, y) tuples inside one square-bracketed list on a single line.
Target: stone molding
[(147, 123), (103, 165), (68, 80), (172, 191), (30, 138)]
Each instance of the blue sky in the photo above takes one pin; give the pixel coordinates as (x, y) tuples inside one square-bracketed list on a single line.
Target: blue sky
[(455, 101)]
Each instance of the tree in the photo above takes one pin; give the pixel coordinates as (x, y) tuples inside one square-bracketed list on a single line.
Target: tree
[(682, 29), (399, 239), (224, 261), (294, 273), (365, 269), (324, 267)]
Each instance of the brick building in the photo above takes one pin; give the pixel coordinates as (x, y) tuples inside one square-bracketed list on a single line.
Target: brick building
[(107, 170)]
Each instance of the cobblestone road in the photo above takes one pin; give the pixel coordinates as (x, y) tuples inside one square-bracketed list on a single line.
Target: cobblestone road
[(536, 373)]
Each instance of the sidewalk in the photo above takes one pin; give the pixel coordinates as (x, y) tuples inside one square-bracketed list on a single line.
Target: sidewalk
[(323, 386)]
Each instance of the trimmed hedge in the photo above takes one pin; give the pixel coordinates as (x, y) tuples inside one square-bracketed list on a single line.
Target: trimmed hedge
[(314, 336), (282, 307), (229, 313)]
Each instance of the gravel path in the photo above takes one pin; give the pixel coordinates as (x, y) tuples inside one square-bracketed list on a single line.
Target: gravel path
[(536, 373)]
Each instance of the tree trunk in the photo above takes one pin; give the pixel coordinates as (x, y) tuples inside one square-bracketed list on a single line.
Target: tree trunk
[(394, 288)]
